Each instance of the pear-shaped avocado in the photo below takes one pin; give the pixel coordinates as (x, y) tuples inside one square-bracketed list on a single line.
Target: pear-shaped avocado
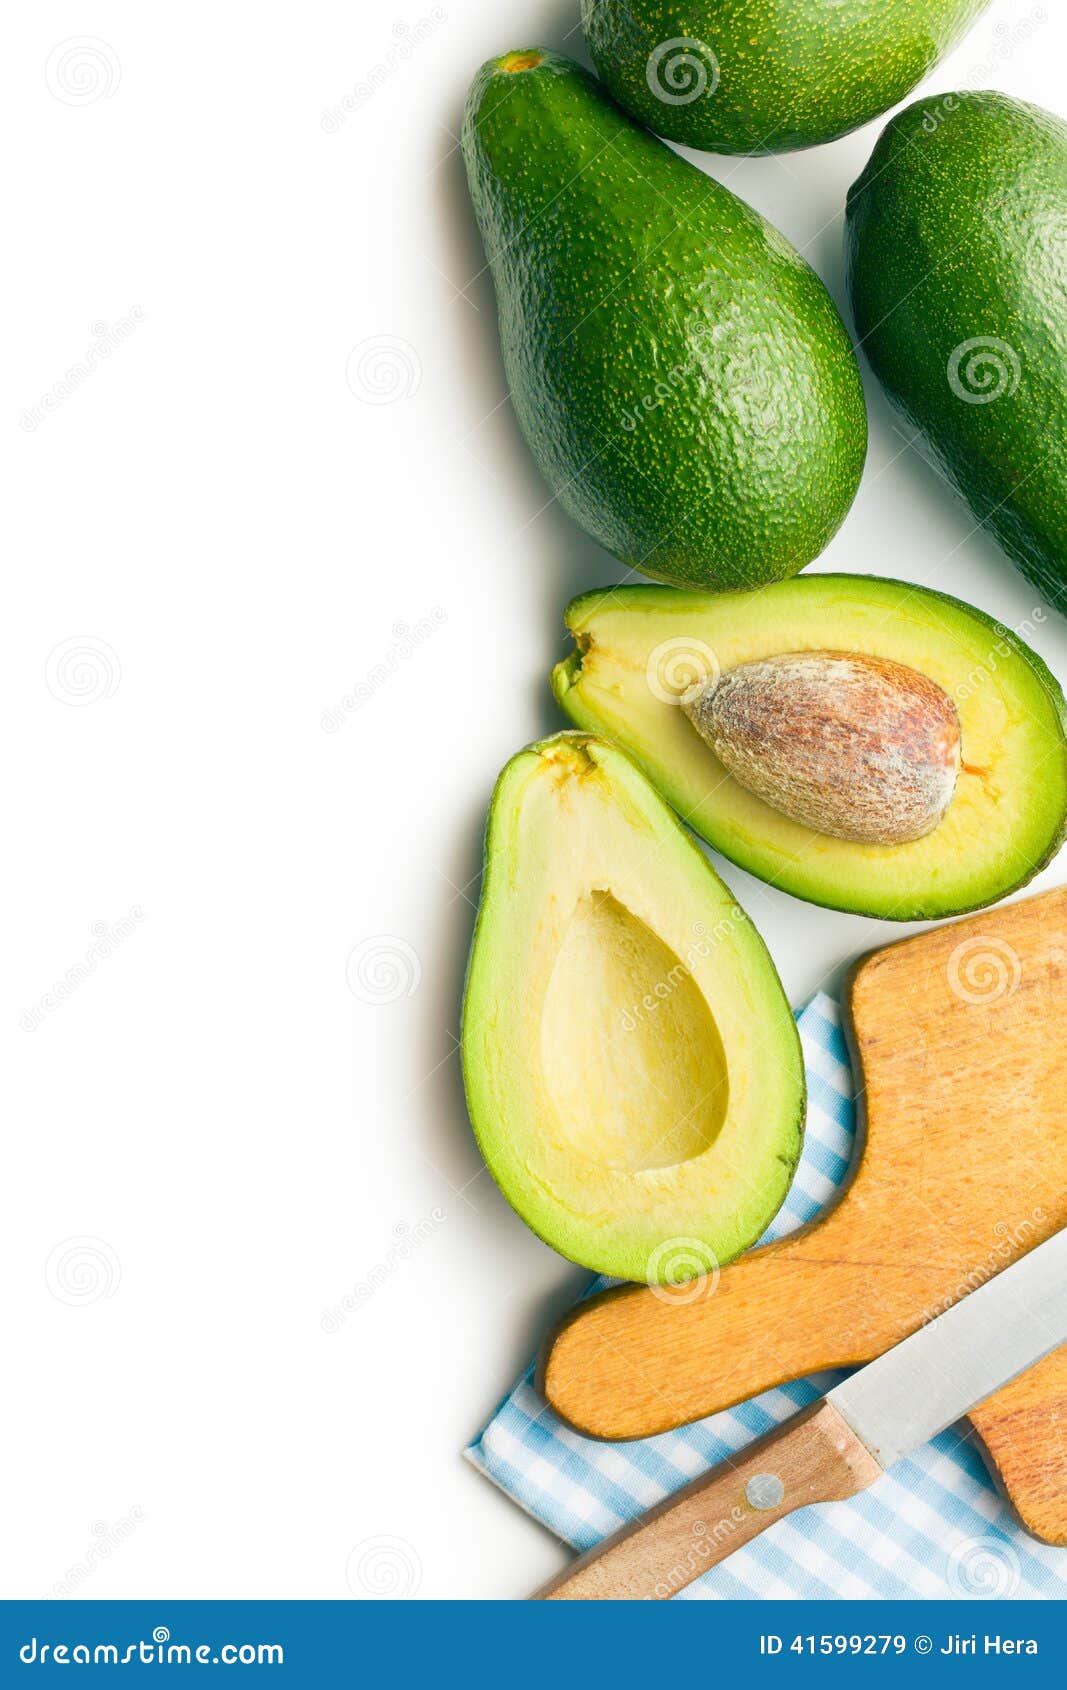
[(632, 1067), (957, 258), (745, 76), (680, 373), (865, 744)]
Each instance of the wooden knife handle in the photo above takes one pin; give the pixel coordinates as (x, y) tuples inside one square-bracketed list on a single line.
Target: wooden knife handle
[(813, 1457)]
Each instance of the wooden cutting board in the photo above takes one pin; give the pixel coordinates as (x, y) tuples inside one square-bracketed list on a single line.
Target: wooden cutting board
[(960, 1041)]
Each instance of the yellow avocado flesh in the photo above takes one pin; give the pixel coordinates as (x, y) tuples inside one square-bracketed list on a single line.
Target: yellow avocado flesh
[(639, 646), (632, 1067)]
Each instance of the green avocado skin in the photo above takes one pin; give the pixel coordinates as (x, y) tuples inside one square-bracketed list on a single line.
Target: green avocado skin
[(681, 375), (957, 264), (742, 76)]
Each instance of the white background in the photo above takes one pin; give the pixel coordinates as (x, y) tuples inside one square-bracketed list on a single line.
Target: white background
[(238, 536)]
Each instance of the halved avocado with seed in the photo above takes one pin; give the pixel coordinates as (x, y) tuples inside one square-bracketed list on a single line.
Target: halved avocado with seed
[(632, 1067), (644, 654)]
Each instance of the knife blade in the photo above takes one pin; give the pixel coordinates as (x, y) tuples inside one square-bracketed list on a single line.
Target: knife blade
[(904, 1398), (844, 1442)]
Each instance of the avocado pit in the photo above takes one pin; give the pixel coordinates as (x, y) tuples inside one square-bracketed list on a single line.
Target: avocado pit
[(857, 747)]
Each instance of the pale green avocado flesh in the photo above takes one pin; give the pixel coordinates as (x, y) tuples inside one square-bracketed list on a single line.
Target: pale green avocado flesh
[(632, 1068), (639, 648)]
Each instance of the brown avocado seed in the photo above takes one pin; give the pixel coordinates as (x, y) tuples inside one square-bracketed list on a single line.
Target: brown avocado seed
[(857, 747)]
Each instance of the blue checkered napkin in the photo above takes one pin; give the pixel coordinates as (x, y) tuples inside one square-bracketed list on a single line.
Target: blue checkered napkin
[(933, 1527)]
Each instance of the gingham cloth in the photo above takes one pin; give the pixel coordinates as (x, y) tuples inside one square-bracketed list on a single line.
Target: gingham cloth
[(932, 1527)]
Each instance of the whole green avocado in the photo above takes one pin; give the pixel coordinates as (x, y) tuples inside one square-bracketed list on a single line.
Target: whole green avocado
[(742, 76), (681, 375), (957, 262)]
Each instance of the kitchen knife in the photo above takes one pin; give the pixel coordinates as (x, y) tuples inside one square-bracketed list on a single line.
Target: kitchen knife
[(842, 1443)]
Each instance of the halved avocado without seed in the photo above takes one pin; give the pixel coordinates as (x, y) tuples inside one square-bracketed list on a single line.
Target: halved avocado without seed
[(633, 1071), (643, 652)]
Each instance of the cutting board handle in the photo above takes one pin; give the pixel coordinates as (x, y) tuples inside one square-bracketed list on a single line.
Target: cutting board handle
[(814, 1457), (641, 1359)]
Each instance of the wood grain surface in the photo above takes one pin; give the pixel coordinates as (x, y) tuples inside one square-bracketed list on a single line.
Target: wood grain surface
[(960, 1040)]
